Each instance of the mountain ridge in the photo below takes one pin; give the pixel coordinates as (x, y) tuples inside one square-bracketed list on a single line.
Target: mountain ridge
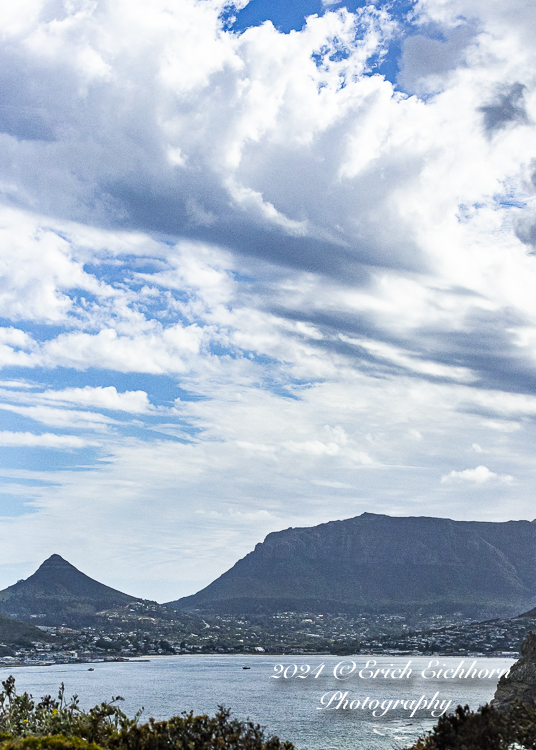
[(379, 563)]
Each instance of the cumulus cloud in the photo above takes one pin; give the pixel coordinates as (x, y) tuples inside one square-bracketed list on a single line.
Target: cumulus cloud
[(38, 271), (103, 397), (480, 475), (191, 128), (160, 351), (426, 61), (135, 402)]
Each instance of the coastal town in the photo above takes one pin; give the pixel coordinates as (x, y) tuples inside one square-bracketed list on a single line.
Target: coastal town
[(146, 629), (59, 616)]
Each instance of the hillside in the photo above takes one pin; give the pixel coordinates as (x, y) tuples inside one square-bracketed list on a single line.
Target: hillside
[(376, 563), (17, 633), (59, 593)]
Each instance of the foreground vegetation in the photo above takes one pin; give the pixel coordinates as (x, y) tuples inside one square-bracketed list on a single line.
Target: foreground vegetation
[(484, 729), (60, 724)]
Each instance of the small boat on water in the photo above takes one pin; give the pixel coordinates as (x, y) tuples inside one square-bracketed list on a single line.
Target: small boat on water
[(246, 667), (91, 669)]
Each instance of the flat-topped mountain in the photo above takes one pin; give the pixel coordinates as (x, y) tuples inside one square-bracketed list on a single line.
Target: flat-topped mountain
[(57, 592), (380, 564)]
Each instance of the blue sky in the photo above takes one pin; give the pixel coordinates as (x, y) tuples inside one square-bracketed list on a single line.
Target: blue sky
[(262, 265)]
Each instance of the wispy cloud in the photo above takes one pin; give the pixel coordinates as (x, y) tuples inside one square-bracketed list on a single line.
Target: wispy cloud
[(64, 418), (44, 440)]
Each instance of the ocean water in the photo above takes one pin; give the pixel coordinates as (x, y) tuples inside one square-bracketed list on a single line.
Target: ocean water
[(294, 697)]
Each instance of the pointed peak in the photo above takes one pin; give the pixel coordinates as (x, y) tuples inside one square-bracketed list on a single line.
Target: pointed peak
[(59, 590), (56, 558), (56, 561)]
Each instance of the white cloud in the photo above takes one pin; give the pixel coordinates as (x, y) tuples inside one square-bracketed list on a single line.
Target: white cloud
[(506, 404), (256, 447), (502, 426), (16, 384), (134, 402), (45, 440), (480, 475), (14, 337), (37, 269), (63, 418), (157, 352), (313, 447), (328, 268), (334, 485), (409, 361), (16, 17), (99, 397), (237, 515)]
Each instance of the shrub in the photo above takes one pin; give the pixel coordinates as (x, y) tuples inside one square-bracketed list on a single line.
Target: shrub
[(58, 724), (484, 729), (56, 742), (21, 716), (189, 732)]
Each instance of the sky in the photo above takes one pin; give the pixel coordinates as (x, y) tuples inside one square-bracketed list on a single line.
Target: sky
[(263, 265)]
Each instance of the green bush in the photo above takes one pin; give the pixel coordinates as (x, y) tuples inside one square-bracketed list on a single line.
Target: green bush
[(21, 716), (484, 729), (56, 742), (58, 724), (189, 732)]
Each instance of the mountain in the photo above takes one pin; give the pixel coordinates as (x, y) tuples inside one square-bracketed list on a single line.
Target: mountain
[(380, 564), (17, 633), (58, 593), (529, 615)]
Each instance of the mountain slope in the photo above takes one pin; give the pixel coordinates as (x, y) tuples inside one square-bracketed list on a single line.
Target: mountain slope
[(17, 633), (375, 563), (59, 591)]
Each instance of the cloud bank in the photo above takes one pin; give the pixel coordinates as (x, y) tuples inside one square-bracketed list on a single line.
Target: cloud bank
[(251, 281)]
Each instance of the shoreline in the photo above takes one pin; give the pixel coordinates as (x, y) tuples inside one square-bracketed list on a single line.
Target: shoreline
[(249, 655)]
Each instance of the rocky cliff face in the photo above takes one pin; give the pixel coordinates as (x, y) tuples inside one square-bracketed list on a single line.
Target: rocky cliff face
[(375, 563), (520, 685)]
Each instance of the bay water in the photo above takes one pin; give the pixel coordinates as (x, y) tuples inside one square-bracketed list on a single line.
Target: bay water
[(316, 707)]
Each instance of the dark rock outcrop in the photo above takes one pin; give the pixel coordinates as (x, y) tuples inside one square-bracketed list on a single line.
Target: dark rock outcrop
[(520, 684), (379, 564)]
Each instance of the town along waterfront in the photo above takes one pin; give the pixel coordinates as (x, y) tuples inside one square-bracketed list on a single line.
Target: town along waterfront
[(294, 697)]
